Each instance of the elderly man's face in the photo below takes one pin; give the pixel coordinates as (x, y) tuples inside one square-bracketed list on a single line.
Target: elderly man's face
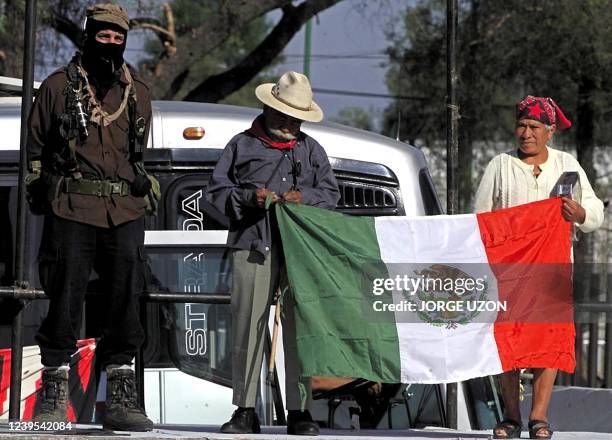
[(532, 136), (280, 125)]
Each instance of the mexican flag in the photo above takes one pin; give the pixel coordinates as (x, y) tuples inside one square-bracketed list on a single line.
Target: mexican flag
[(430, 299)]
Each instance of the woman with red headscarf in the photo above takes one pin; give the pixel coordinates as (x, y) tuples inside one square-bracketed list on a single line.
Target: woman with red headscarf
[(527, 174)]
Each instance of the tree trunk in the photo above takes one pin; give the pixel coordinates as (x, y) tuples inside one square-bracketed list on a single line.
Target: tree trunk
[(217, 87), (584, 248), (466, 156), (585, 146), (468, 109), (11, 62), (585, 127)]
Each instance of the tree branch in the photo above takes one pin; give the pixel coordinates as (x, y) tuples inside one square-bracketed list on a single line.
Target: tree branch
[(219, 86), (232, 17), (66, 27), (166, 34)]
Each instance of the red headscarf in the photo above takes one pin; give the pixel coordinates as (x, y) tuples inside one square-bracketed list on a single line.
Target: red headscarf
[(544, 110)]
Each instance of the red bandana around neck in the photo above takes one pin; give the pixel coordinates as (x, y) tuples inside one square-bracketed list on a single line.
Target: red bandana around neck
[(257, 130)]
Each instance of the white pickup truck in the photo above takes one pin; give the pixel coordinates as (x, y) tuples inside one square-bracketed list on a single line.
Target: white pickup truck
[(187, 355)]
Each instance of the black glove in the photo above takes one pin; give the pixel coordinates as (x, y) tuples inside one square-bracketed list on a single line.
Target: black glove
[(38, 192), (140, 186)]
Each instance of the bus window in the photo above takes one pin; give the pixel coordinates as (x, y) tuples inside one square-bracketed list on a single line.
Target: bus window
[(199, 335), (191, 270), (7, 206), (35, 310)]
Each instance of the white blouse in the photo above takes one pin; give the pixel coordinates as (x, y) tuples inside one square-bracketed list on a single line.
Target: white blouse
[(508, 181)]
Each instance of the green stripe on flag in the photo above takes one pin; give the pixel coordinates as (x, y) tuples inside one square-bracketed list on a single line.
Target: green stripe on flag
[(332, 259)]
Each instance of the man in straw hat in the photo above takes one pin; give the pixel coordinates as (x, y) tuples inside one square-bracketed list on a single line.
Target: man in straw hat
[(528, 173), (270, 162), (87, 129)]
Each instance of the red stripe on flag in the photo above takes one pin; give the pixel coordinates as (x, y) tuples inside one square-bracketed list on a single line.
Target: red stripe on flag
[(86, 350), (529, 250), (5, 356), (70, 412)]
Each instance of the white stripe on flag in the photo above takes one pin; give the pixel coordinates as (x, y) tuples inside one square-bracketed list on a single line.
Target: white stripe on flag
[(429, 353)]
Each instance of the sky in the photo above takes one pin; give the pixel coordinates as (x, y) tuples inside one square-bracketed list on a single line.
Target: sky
[(348, 43)]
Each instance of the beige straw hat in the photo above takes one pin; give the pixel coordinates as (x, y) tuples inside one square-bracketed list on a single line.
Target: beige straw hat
[(291, 95)]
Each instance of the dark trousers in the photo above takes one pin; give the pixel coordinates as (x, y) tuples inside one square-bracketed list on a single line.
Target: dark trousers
[(68, 252)]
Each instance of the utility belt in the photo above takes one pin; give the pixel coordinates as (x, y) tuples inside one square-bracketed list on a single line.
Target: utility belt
[(99, 188)]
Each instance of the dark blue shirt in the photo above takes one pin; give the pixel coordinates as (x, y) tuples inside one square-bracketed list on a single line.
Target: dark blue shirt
[(246, 164)]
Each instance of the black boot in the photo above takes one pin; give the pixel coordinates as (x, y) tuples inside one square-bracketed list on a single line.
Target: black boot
[(53, 396), (243, 421), (122, 410), (301, 423)]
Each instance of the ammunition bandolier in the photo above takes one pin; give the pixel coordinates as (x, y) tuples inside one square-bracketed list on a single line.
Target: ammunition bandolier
[(63, 172)]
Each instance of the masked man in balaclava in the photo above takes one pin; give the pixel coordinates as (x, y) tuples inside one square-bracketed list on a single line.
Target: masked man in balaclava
[(87, 129)]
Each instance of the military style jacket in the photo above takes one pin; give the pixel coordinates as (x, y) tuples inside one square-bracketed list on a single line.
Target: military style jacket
[(247, 163), (104, 154)]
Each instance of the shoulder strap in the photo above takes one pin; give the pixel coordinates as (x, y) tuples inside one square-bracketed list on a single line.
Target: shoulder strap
[(70, 127), (137, 128)]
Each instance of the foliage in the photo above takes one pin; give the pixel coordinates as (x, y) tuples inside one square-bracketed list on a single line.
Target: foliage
[(12, 13), (211, 48), (54, 44), (356, 117), (188, 16), (506, 49)]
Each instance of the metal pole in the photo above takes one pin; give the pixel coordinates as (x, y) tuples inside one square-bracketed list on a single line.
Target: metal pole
[(593, 327), (608, 335), (452, 109), (139, 361), (582, 275), (148, 296), (307, 47), (607, 287), (21, 226), (16, 363), (452, 153)]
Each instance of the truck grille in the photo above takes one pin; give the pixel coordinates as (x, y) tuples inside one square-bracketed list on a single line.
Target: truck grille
[(367, 199)]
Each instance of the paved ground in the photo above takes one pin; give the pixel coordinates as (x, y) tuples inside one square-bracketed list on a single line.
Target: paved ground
[(93, 432)]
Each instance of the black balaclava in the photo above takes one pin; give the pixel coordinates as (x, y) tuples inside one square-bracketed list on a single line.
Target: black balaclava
[(102, 61)]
